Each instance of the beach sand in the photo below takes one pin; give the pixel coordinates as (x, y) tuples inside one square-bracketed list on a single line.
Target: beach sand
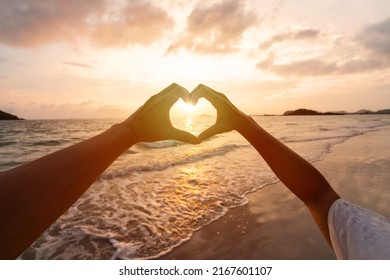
[(276, 225)]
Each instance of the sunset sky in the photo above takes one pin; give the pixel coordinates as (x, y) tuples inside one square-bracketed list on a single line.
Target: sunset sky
[(98, 59)]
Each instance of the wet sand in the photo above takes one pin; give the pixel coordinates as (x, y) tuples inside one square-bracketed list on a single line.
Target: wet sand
[(276, 225)]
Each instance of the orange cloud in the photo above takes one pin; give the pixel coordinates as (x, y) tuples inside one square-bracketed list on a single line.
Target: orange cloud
[(320, 67), (304, 34), (33, 23), (139, 22), (376, 37), (77, 64), (215, 29), (372, 44), (309, 67)]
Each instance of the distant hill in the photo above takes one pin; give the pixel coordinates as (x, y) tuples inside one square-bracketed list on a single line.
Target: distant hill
[(364, 112), (369, 112), (8, 116), (384, 111), (308, 112)]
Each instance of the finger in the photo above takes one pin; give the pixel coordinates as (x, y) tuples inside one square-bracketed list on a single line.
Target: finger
[(202, 91), (202, 87), (171, 97), (187, 98), (155, 98), (184, 136), (209, 132), (214, 97), (166, 90), (174, 91), (197, 93)]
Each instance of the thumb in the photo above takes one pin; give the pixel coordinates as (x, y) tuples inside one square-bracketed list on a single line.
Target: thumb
[(209, 132), (184, 136)]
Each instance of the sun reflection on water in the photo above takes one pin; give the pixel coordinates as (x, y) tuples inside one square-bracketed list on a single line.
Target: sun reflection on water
[(189, 124)]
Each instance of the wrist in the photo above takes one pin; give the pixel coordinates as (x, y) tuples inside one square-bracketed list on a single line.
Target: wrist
[(126, 132), (246, 125), (250, 129)]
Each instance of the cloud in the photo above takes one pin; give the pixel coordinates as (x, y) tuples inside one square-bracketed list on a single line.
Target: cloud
[(304, 34), (376, 37), (34, 23), (371, 52), (361, 65), (308, 67), (215, 29), (139, 22), (84, 65), (320, 67)]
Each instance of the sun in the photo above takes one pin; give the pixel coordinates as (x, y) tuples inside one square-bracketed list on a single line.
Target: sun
[(183, 109), (186, 107)]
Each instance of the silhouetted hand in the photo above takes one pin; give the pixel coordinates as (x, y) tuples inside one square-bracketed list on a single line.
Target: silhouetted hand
[(151, 122), (228, 116)]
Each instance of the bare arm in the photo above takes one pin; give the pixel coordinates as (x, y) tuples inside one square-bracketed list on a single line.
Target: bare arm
[(35, 194), (306, 182)]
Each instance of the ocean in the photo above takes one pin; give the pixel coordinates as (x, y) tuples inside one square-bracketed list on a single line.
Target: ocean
[(156, 195)]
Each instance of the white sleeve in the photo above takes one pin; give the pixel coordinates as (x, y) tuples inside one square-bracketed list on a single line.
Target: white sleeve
[(357, 233)]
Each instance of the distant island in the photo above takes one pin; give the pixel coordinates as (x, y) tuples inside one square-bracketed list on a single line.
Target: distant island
[(308, 112), (8, 116)]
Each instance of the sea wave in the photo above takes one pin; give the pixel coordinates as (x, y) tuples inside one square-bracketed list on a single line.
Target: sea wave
[(48, 143), (310, 139), (342, 133), (7, 143), (159, 144), (159, 166)]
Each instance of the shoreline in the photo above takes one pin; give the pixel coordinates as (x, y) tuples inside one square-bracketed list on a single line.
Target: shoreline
[(276, 225)]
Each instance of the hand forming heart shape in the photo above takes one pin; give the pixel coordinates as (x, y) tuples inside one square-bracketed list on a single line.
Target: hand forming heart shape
[(151, 122), (193, 118)]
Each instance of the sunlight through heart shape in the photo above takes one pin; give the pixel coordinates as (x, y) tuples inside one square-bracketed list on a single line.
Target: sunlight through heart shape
[(193, 118)]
